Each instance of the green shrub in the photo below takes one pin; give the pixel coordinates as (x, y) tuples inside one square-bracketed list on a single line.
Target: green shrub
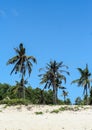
[(55, 111), (63, 108), (15, 102), (38, 113)]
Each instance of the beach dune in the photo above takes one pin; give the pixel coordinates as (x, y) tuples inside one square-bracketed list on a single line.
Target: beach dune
[(41, 117)]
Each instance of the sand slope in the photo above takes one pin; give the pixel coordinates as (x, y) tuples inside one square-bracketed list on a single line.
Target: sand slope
[(24, 118)]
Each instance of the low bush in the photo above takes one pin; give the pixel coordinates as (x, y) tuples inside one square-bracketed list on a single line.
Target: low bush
[(15, 102), (55, 111), (38, 113)]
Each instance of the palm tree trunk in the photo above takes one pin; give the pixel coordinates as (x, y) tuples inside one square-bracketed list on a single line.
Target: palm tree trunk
[(64, 99), (54, 95), (86, 96), (22, 85)]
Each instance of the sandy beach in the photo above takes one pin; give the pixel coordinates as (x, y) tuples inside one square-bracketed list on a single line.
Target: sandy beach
[(42, 117)]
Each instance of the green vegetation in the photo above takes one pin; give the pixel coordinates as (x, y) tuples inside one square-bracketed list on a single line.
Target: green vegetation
[(21, 63), (52, 78), (15, 102), (69, 108), (38, 113), (84, 81), (32, 96), (66, 108), (55, 111)]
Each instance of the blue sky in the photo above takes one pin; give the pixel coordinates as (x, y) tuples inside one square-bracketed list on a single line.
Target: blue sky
[(50, 30)]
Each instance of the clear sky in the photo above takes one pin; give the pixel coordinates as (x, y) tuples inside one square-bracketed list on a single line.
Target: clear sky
[(50, 30)]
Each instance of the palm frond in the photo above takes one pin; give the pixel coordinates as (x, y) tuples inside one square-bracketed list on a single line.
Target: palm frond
[(80, 70), (62, 87), (41, 69), (32, 58), (17, 51), (12, 60), (75, 81), (61, 71)]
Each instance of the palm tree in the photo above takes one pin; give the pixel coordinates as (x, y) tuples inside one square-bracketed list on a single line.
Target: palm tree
[(64, 94), (21, 63), (53, 77), (84, 81)]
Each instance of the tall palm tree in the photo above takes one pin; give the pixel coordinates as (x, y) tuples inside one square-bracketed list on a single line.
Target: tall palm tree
[(84, 81), (21, 63), (53, 77)]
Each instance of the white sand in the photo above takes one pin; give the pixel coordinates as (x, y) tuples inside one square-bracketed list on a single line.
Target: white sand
[(24, 118)]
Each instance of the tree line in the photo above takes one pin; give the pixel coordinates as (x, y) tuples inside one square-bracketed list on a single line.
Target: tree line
[(52, 77), (10, 94)]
